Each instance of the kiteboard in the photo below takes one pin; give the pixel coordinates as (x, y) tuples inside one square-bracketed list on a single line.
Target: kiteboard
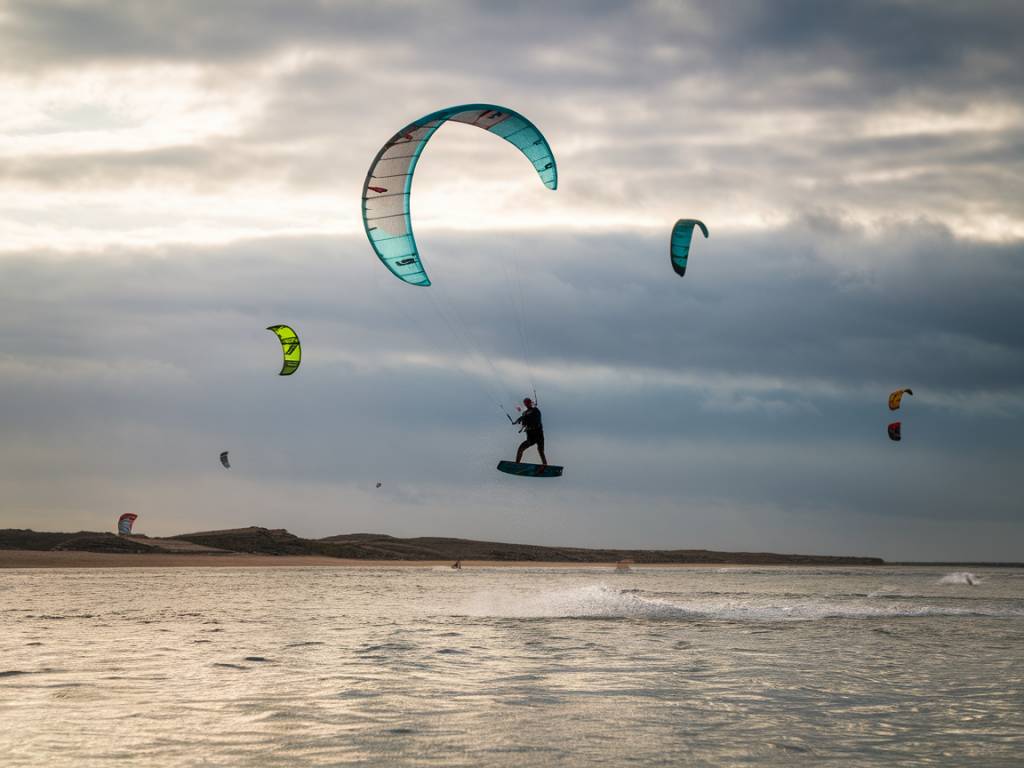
[(529, 470)]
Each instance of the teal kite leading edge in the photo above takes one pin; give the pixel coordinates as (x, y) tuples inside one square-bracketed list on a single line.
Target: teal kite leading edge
[(679, 244), (388, 183)]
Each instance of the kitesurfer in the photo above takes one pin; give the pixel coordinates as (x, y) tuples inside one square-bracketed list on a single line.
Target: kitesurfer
[(534, 431)]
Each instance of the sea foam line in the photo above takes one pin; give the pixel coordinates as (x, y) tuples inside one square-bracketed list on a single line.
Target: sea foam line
[(602, 601)]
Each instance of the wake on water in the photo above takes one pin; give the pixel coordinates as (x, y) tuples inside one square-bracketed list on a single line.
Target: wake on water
[(599, 601), (960, 577)]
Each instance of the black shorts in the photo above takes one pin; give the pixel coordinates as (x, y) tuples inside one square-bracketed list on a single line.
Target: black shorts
[(534, 437)]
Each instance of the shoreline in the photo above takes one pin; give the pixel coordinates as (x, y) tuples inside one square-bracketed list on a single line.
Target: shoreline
[(18, 558), (259, 546)]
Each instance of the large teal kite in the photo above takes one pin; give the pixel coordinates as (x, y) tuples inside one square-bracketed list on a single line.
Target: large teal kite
[(389, 180)]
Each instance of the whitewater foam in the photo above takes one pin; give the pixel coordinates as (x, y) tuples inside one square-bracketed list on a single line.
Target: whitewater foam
[(599, 601), (960, 577), (590, 601)]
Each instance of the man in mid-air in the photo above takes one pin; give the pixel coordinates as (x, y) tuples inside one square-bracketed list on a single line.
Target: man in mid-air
[(534, 431)]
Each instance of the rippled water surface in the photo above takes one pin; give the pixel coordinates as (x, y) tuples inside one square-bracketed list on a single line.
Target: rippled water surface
[(511, 667)]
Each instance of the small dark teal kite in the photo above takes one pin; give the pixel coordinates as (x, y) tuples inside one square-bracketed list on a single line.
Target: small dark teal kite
[(679, 244)]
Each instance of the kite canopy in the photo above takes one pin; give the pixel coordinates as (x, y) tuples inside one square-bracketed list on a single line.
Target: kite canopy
[(224, 460), (894, 431), (896, 397), (290, 347), (679, 243), (388, 183), (125, 523)]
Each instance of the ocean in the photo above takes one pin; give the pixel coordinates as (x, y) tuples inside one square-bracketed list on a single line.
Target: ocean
[(419, 666)]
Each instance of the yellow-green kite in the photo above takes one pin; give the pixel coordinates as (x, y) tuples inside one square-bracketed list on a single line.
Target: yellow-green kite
[(290, 347)]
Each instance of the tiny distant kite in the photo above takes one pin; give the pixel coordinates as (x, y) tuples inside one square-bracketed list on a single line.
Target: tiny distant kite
[(894, 431), (378, 485), (896, 397), (679, 243), (224, 460), (291, 348), (125, 523)]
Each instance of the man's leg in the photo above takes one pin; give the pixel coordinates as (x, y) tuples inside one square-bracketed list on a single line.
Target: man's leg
[(540, 450), (522, 447)]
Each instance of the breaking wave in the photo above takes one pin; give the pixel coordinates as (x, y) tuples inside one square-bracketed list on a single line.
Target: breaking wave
[(604, 602), (960, 577)]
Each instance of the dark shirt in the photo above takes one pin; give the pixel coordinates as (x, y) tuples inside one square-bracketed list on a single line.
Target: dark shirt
[(530, 419)]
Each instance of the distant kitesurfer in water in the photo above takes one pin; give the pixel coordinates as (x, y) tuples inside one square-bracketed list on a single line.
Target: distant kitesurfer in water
[(534, 431)]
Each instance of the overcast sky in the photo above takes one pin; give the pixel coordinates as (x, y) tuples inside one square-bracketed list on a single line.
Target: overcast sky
[(175, 177)]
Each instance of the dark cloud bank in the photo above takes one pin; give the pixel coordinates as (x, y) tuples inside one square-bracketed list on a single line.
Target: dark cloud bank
[(758, 382)]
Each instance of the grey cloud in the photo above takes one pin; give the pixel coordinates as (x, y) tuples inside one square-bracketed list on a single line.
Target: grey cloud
[(760, 305), (897, 47), (893, 46), (55, 32), (642, 128), (190, 167), (141, 368)]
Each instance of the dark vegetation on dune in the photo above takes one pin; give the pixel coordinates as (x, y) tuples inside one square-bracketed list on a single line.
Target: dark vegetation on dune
[(82, 541), (101, 542), (378, 546), (374, 546)]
